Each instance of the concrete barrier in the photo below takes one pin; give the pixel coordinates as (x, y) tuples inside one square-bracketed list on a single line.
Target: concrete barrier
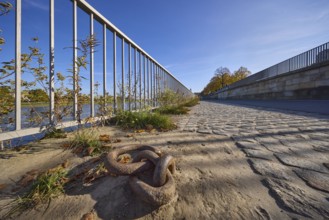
[(307, 83)]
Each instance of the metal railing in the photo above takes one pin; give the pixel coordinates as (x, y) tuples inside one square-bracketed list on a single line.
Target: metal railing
[(152, 77), (309, 58)]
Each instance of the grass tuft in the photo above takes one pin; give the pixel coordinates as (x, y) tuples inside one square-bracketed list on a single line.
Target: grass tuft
[(56, 133), (47, 186), (192, 102), (143, 120), (173, 110), (178, 109), (86, 142)]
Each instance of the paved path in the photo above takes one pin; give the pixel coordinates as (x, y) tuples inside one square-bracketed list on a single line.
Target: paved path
[(290, 150)]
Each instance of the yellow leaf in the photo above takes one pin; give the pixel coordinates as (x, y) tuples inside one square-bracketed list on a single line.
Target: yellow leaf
[(3, 186)]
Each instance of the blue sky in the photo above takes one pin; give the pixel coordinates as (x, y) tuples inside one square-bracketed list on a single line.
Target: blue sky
[(191, 38)]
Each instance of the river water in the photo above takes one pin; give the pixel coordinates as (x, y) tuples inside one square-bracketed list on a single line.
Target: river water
[(8, 124)]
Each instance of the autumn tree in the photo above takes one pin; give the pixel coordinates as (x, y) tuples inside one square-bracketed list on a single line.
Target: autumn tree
[(36, 95), (241, 73), (223, 77)]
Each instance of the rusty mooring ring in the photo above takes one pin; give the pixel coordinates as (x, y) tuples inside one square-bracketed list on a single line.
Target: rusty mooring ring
[(166, 162), (154, 195), (131, 168), (164, 187)]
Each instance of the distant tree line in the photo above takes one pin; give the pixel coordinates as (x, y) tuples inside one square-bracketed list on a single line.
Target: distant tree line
[(223, 77)]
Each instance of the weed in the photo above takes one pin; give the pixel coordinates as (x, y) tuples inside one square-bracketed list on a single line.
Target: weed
[(95, 173), (178, 109), (47, 186), (86, 141), (173, 110), (174, 103), (56, 133), (143, 120), (192, 102), (168, 98)]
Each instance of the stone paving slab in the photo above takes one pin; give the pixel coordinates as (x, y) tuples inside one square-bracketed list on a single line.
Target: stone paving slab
[(260, 154), (314, 179), (297, 199), (289, 149), (269, 169), (300, 162)]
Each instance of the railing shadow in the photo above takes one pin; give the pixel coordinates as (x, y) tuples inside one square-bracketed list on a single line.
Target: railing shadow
[(315, 109)]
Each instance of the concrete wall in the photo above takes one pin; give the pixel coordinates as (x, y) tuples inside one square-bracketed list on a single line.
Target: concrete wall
[(307, 83)]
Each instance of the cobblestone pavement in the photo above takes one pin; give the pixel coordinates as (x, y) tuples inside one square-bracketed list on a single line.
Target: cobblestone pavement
[(289, 149)]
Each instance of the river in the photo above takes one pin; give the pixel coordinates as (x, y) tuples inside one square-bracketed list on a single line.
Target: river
[(8, 123)]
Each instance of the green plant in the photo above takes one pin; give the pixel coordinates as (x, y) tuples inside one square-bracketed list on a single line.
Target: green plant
[(143, 120), (47, 186), (173, 110), (85, 48), (169, 98), (86, 141), (174, 104), (192, 101), (55, 133)]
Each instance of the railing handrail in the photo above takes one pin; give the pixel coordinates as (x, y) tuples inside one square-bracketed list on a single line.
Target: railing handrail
[(100, 18)]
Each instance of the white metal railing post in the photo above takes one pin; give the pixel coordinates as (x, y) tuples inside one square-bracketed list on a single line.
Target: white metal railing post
[(104, 67), (123, 74), (18, 68), (140, 79), (74, 67), (167, 80), (162, 81), (129, 75), (144, 87), (135, 78), (114, 71), (92, 83), (159, 81), (51, 62), (151, 82), (148, 81), (156, 84)]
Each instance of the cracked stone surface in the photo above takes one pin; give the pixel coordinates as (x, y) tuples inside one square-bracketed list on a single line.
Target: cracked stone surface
[(260, 153), (300, 162), (269, 169), (249, 145), (314, 179), (298, 200), (289, 149)]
